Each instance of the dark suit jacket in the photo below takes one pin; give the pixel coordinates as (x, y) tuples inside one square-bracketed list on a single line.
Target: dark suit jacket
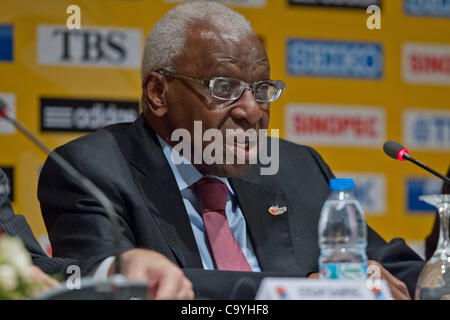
[(16, 225), (127, 163)]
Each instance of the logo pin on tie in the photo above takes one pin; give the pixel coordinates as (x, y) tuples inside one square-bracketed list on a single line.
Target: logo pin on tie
[(276, 211)]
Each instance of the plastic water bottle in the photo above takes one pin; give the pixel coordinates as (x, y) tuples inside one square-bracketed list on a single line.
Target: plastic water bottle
[(342, 234)]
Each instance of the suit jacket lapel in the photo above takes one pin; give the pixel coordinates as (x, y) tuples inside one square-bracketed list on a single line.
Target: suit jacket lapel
[(161, 194), (270, 234)]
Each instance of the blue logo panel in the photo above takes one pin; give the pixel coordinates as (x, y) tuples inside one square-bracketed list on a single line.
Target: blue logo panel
[(6, 42), (334, 59), (417, 187), (431, 130), (437, 8)]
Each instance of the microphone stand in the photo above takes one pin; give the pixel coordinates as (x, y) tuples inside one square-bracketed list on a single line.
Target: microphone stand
[(406, 156)]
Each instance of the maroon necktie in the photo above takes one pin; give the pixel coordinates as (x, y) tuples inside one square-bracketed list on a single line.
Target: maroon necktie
[(212, 198)]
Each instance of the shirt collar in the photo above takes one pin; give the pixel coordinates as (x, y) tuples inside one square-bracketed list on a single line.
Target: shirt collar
[(185, 173)]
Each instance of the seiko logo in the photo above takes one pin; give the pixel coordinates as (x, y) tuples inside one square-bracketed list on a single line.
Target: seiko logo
[(314, 57), (89, 46)]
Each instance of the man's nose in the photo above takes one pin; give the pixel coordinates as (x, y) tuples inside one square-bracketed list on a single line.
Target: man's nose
[(247, 108)]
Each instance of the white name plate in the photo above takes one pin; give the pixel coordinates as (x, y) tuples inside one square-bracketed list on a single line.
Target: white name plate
[(315, 289)]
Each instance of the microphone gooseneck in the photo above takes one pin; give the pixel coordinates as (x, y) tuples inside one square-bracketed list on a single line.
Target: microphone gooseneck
[(396, 151)]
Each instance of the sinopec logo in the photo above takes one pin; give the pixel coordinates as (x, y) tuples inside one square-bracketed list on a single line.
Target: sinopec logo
[(335, 125), (84, 115), (89, 46), (334, 59), (426, 63)]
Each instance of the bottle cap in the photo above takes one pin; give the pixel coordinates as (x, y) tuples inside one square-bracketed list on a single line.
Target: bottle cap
[(340, 184)]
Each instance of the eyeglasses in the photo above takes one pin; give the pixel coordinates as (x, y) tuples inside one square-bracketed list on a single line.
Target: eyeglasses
[(229, 89)]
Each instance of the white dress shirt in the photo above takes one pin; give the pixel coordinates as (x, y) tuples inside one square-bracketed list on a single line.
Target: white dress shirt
[(185, 175)]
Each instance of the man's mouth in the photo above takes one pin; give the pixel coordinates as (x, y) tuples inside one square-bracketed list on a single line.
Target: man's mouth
[(241, 151)]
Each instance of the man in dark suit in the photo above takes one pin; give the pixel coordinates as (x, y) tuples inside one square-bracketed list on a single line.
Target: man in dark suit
[(163, 205)]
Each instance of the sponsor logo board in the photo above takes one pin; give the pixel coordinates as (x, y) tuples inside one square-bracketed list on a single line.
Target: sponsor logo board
[(80, 115), (427, 129), (89, 46), (318, 124), (310, 57), (426, 63)]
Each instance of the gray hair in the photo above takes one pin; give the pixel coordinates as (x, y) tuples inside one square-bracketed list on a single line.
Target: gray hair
[(166, 40)]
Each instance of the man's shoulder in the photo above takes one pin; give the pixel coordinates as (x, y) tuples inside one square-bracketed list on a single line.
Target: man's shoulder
[(100, 147), (289, 149), (289, 145), (97, 140), (299, 157), (101, 150), (99, 155)]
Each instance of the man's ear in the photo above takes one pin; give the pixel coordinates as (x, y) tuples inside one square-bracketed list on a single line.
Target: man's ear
[(155, 89)]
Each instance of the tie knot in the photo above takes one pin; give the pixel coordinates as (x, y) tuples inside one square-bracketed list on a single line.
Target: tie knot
[(211, 194)]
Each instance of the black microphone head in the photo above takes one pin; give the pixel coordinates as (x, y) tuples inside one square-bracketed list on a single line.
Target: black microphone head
[(392, 148)]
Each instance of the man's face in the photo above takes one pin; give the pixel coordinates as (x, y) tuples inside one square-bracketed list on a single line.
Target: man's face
[(209, 54)]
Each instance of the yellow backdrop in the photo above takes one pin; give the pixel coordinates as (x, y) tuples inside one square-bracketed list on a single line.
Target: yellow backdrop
[(276, 21)]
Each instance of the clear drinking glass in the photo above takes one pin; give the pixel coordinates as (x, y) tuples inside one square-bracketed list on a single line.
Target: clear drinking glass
[(434, 280)]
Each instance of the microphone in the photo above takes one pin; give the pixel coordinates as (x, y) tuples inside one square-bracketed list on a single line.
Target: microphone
[(84, 182), (396, 151)]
